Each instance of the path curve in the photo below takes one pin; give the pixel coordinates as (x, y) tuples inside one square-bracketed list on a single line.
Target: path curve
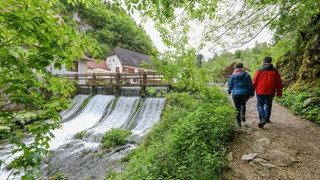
[(286, 148)]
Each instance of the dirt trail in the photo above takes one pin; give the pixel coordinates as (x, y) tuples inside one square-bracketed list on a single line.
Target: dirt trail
[(286, 148)]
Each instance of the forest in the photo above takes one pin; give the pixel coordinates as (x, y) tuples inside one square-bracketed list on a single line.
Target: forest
[(190, 144)]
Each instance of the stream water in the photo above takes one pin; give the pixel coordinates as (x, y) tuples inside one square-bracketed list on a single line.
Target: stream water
[(83, 158)]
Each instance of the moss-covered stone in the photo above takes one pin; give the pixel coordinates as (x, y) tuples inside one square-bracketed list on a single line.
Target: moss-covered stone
[(301, 69)]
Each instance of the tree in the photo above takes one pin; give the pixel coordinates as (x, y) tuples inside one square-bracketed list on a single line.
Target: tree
[(33, 36), (223, 24), (228, 24), (111, 26)]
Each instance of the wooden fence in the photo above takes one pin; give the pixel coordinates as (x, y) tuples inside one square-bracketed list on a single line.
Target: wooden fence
[(117, 80)]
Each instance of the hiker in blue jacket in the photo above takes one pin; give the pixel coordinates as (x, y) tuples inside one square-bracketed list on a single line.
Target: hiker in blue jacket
[(240, 84)]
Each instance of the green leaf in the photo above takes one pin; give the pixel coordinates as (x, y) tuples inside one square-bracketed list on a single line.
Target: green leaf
[(2, 19)]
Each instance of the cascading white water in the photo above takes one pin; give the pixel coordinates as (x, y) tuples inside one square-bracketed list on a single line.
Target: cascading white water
[(93, 120), (130, 91), (89, 117), (76, 104), (148, 114), (119, 115)]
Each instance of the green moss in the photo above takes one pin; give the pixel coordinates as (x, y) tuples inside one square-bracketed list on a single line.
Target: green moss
[(85, 102), (137, 107), (59, 176), (81, 135)]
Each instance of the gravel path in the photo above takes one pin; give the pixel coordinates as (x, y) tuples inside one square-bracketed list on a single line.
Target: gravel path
[(286, 148)]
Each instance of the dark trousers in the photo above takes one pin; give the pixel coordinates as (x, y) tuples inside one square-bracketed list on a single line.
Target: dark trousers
[(264, 106), (240, 102)]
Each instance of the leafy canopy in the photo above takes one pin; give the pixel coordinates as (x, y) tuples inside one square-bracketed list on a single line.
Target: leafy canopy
[(227, 24)]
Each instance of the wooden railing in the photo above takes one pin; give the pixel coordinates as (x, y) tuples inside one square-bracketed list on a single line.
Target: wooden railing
[(117, 80)]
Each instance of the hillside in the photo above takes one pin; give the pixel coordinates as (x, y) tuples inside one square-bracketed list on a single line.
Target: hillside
[(110, 25)]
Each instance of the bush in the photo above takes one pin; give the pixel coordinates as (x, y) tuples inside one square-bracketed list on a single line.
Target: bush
[(294, 101), (190, 142), (115, 137)]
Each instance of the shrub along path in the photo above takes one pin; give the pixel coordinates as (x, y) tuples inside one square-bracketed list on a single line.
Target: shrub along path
[(286, 148)]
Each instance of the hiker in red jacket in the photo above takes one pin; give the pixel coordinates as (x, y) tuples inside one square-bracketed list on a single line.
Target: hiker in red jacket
[(267, 83)]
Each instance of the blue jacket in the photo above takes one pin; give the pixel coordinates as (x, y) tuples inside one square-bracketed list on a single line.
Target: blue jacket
[(240, 83)]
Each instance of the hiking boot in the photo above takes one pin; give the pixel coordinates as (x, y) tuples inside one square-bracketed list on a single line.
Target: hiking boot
[(243, 118), (268, 121), (262, 123)]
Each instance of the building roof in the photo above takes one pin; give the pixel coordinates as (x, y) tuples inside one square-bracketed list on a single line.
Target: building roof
[(227, 72), (130, 58), (93, 64)]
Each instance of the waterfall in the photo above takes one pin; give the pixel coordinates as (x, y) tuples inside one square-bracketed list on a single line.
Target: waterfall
[(75, 106), (89, 117), (147, 115), (83, 159), (119, 115)]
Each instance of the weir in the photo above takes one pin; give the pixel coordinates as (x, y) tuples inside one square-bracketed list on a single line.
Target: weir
[(99, 115)]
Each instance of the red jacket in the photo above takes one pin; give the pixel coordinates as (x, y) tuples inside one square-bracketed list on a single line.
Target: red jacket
[(267, 81)]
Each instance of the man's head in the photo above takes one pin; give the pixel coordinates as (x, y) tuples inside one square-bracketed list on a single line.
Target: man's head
[(267, 59), (238, 65)]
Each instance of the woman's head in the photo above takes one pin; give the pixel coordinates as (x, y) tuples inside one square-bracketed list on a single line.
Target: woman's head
[(238, 65)]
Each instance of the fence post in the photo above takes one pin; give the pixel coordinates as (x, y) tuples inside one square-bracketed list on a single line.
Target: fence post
[(76, 82), (144, 85), (93, 84), (118, 84)]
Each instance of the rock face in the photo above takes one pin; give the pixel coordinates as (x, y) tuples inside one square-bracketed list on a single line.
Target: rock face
[(303, 66), (78, 161), (82, 27), (311, 101)]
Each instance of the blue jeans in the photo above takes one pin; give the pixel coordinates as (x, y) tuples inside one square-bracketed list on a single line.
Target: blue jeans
[(240, 102), (264, 106)]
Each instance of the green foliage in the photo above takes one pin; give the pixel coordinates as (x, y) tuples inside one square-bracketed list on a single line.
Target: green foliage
[(59, 176), (251, 58), (295, 102), (85, 102), (114, 137), (26, 117), (111, 27), (81, 135), (189, 143), (151, 91), (137, 107), (33, 37), (180, 70)]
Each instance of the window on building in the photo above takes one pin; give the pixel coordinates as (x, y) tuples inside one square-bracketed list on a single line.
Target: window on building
[(130, 70), (75, 67)]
